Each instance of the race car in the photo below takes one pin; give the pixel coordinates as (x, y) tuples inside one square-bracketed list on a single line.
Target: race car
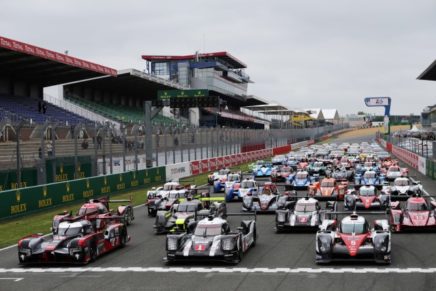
[(317, 168), (301, 180), (217, 175), (74, 241), (353, 239), (343, 174), (292, 162), (264, 201), (263, 170), (328, 189), (211, 239), (404, 188), (395, 172), (248, 187), (163, 197), (303, 165), (366, 197), (281, 173), (304, 214), (369, 178), (417, 214), (178, 217), (94, 207), (370, 166), (278, 160)]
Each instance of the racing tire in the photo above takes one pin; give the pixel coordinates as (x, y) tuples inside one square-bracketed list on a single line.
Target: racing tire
[(92, 253), (254, 237), (123, 240), (152, 212), (128, 216)]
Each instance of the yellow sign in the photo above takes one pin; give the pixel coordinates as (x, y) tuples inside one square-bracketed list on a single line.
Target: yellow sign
[(300, 118)]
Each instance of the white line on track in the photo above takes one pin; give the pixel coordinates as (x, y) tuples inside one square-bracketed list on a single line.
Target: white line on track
[(221, 270), (12, 279)]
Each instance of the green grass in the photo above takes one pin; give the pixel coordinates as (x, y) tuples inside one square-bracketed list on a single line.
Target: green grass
[(14, 229)]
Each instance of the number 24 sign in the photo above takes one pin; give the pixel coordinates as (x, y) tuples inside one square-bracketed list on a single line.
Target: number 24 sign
[(377, 101)]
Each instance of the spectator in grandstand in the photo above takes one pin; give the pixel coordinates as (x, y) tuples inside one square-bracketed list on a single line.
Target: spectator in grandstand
[(44, 107), (176, 141), (85, 144), (49, 148), (99, 139), (40, 152)]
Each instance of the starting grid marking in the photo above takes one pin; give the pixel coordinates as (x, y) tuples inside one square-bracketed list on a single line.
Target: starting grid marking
[(222, 270)]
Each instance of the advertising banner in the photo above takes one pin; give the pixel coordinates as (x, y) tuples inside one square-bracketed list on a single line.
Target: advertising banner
[(180, 170)]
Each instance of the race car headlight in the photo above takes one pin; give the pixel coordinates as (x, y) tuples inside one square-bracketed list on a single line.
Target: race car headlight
[(172, 244), (27, 252), (228, 244), (75, 250), (324, 244)]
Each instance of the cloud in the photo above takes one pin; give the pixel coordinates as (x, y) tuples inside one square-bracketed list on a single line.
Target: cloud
[(299, 53)]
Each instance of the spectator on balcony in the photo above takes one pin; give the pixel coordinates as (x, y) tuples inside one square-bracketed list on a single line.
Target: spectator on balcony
[(99, 140), (44, 107), (85, 144), (49, 148)]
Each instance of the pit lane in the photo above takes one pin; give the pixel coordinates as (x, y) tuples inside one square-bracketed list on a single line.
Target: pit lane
[(283, 262)]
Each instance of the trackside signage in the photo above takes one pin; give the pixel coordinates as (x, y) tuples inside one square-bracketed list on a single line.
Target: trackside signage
[(37, 198), (195, 167), (177, 171)]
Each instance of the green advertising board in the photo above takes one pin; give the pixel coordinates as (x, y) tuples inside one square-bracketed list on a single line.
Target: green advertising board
[(65, 169), (8, 179), (37, 198), (167, 94)]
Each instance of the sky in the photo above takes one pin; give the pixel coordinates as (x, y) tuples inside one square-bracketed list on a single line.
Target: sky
[(301, 54)]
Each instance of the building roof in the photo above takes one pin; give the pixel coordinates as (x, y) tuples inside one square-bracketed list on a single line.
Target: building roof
[(130, 82), (429, 74), (330, 114), (270, 109), (45, 67), (315, 113), (225, 56)]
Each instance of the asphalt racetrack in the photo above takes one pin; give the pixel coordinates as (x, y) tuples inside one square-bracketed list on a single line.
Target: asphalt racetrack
[(278, 262)]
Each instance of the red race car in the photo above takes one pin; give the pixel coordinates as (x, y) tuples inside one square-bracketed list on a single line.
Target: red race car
[(417, 214), (94, 207), (328, 189), (75, 240)]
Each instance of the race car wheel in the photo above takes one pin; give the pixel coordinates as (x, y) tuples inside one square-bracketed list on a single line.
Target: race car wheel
[(128, 216), (123, 239), (152, 212), (93, 253), (254, 237)]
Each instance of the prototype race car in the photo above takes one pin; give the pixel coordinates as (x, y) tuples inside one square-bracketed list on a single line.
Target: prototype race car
[(217, 175), (343, 174), (211, 239), (264, 201), (301, 180), (278, 160), (395, 172), (317, 168), (404, 188), (304, 214), (95, 207), (417, 214), (366, 197), (180, 215), (353, 239), (281, 173), (74, 241), (369, 178), (263, 170), (328, 189), (163, 197), (248, 187)]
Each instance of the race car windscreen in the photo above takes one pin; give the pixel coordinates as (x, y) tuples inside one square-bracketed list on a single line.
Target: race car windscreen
[(68, 231), (173, 195), (301, 176), (248, 184), (414, 206), (232, 178), (87, 210), (401, 182), (305, 207), (367, 191), (223, 172), (318, 164), (186, 208), (169, 187), (327, 184), (208, 230), (394, 169), (356, 227)]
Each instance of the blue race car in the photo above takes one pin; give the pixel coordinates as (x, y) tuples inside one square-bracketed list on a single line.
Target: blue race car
[(301, 180), (263, 170), (369, 178), (232, 186), (239, 190)]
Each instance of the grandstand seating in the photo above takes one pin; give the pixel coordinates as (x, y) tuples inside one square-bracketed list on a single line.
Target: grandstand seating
[(27, 108), (118, 112)]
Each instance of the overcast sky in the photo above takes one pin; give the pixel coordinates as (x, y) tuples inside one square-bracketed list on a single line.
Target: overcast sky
[(302, 54)]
